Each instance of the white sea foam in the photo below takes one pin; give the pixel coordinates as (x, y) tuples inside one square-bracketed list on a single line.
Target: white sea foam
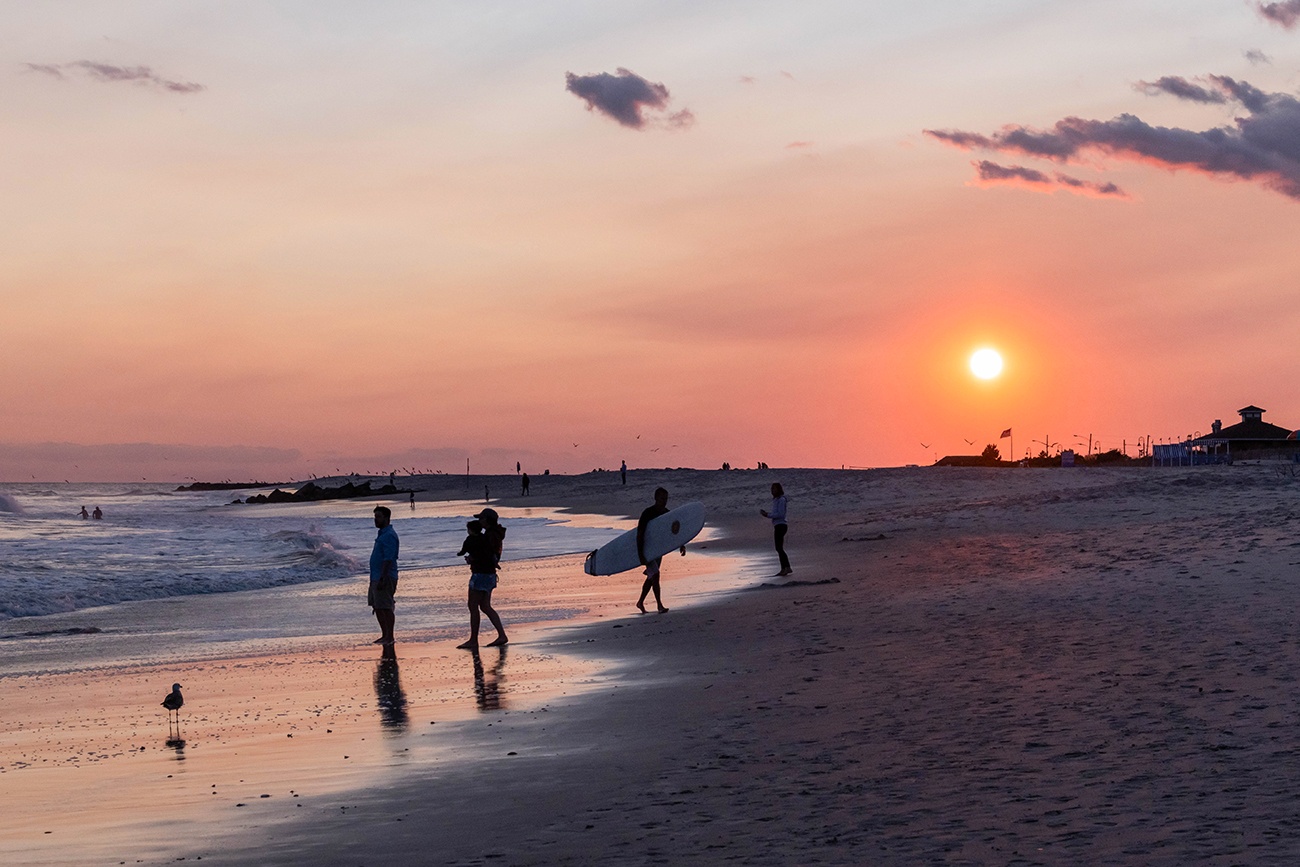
[(154, 543)]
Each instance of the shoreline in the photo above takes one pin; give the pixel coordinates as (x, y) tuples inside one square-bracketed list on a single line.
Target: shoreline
[(324, 713), (1018, 669)]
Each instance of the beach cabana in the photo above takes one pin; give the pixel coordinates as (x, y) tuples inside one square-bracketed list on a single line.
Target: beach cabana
[(1252, 438)]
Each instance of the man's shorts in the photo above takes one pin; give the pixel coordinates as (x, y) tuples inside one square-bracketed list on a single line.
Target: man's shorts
[(483, 581), (381, 594)]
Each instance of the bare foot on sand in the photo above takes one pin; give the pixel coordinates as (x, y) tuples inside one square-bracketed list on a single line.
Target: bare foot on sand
[(501, 641), (382, 640), (662, 610), (641, 605), (468, 645)]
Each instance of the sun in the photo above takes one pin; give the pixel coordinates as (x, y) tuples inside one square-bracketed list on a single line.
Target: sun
[(986, 363)]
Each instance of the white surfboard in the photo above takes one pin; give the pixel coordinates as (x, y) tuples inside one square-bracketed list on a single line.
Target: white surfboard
[(663, 534)]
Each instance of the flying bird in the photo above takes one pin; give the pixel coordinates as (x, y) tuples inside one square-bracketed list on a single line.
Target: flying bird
[(925, 445), (969, 442)]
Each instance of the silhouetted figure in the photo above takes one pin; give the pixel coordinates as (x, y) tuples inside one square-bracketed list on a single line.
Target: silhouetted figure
[(777, 516), (390, 698), (660, 507), (383, 575), (622, 472), (97, 514), (517, 467), (173, 701), (524, 484), (84, 513), (482, 550)]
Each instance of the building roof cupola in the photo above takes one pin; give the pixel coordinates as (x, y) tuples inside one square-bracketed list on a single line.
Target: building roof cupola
[(1251, 413)]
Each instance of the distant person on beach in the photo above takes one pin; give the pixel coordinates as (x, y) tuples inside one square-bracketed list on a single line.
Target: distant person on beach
[(660, 507), (383, 575), (622, 472), (84, 513), (524, 484), (481, 549), (777, 515), (97, 515)]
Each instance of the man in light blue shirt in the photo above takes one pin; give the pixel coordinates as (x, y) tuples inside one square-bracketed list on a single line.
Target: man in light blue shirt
[(383, 575)]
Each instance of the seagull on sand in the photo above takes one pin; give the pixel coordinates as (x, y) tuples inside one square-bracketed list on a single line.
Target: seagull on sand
[(173, 702)]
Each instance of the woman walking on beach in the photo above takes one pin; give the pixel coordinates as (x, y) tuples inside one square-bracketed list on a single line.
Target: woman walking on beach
[(777, 515), (482, 547)]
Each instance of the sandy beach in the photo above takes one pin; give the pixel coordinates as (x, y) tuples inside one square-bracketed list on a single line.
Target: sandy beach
[(967, 667)]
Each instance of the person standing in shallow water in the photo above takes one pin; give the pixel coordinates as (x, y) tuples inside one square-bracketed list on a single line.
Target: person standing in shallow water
[(660, 507), (383, 575), (777, 516), (482, 551)]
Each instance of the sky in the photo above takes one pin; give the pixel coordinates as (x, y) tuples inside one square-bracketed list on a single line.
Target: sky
[(273, 240)]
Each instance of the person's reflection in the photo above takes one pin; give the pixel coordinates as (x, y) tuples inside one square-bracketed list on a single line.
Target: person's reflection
[(488, 693), (389, 697)]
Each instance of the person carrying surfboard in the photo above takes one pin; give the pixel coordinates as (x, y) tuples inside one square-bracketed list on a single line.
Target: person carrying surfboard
[(660, 507)]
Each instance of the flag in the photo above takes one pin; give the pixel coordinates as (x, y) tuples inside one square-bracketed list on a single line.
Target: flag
[(1006, 433)]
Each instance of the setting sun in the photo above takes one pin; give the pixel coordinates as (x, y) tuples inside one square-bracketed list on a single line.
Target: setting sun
[(986, 363)]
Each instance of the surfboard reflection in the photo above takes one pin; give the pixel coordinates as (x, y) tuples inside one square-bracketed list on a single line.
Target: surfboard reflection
[(390, 698), (489, 694)]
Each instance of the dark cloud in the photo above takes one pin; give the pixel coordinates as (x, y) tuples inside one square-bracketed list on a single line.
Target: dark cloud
[(989, 171), (109, 73), (627, 98), (1176, 85), (1286, 14), (992, 173), (1256, 57), (1263, 147)]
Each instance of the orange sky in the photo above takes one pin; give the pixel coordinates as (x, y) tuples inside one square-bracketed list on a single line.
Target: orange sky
[(277, 242)]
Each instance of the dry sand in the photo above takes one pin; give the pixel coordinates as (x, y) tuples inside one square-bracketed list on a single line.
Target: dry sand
[(1003, 667)]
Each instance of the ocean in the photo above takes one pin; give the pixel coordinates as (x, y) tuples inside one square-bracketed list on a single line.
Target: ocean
[(155, 542)]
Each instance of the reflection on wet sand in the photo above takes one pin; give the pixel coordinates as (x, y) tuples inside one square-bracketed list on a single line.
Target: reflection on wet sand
[(488, 691), (389, 696), (178, 744)]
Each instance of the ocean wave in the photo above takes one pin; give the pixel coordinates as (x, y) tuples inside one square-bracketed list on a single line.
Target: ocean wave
[(10, 505), (316, 547)]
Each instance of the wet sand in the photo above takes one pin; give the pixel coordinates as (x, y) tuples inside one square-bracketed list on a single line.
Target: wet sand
[(969, 667)]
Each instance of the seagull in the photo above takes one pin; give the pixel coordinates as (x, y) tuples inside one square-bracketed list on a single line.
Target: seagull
[(969, 442), (173, 701), (925, 445)]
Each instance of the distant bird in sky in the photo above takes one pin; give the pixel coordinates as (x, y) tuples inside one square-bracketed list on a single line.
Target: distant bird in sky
[(969, 442), (925, 445), (575, 445)]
